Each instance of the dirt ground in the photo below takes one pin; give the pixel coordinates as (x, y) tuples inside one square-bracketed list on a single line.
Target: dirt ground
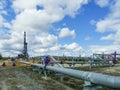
[(18, 78)]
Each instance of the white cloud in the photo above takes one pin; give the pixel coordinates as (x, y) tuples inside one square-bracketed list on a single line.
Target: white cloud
[(109, 37), (20, 5), (46, 40), (33, 21), (62, 6), (102, 3), (74, 47), (56, 47), (2, 6), (1, 20), (87, 38), (65, 32), (112, 21), (92, 22), (105, 49), (3, 24), (111, 24), (36, 23), (116, 38)]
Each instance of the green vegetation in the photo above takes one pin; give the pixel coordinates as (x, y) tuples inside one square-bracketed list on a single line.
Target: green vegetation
[(1, 57)]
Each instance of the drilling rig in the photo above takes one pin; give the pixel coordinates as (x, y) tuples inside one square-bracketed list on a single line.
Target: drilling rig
[(24, 54)]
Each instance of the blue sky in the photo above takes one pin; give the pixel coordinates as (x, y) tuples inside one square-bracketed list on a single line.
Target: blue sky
[(69, 27)]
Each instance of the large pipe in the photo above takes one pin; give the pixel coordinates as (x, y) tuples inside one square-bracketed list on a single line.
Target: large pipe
[(95, 78)]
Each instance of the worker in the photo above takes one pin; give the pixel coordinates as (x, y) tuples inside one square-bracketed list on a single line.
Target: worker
[(61, 62), (46, 61), (12, 59), (3, 64), (14, 64)]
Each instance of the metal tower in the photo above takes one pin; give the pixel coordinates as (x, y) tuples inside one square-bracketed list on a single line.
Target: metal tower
[(25, 54)]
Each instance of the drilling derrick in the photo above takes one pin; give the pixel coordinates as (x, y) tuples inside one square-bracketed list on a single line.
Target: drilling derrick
[(24, 53)]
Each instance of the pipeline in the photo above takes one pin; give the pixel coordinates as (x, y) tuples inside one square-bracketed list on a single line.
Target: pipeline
[(95, 78)]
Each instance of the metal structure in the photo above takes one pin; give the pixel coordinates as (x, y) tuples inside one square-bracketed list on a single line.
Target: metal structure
[(106, 57), (24, 54), (103, 59), (115, 57), (92, 77)]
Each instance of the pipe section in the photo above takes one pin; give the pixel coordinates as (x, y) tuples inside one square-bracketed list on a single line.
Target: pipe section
[(95, 78)]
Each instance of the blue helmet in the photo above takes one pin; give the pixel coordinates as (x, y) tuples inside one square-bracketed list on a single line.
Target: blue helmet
[(46, 58)]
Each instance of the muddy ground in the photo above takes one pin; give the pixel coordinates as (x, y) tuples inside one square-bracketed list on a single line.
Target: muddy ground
[(22, 78)]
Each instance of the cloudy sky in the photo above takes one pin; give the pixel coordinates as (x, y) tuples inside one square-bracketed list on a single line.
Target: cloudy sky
[(59, 27)]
